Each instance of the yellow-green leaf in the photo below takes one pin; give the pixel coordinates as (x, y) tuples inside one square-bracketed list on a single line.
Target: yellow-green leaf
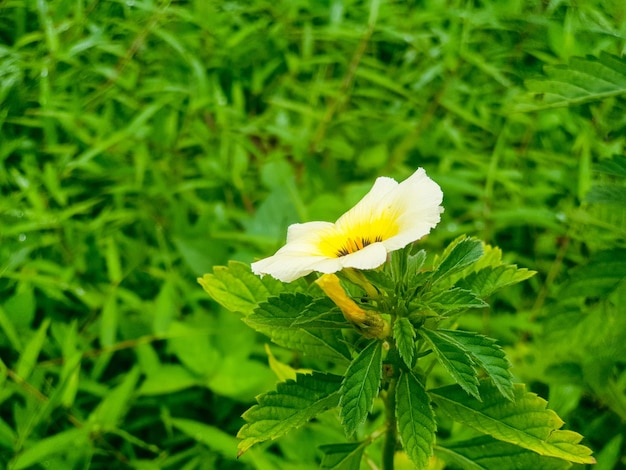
[(290, 406), (525, 422)]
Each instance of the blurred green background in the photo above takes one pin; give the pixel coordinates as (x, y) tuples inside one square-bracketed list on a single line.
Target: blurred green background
[(143, 142)]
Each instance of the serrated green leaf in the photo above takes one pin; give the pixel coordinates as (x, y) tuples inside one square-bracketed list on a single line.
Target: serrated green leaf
[(492, 257), (290, 406), (607, 194), (360, 387), (345, 456), (454, 299), (277, 318), (281, 311), (486, 453), (488, 355), (616, 63), (488, 280), (586, 348), (584, 80), (237, 289), (404, 335), (319, 343), (403, 272), (321, 313), (525, 422), (454, 359), (600, 276), (615, 166), (415, 418), (460, 253)]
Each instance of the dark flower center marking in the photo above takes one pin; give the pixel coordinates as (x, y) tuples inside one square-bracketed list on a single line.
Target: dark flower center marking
[(355, 244)]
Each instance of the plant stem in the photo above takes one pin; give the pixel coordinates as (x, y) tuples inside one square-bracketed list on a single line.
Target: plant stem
[(389, 446)]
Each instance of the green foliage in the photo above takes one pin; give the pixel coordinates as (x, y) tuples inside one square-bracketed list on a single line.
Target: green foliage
[(455, 299), (416, 419), (360, 387), (458, 255), (486, 354), (48, 448), (602, 274), (583, 80), (525, 421), (292, 404), (490, 279), (455, 360), (404, 335), (494, 407), (342, 456), (237, 289), (579, 347), (486, 453), (143, 143), (280, 318)]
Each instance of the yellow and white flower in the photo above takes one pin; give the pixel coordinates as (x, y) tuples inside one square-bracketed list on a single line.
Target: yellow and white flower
[(388, 218)]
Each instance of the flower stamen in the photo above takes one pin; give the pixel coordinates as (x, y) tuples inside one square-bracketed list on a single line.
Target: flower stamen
[(356, 244)]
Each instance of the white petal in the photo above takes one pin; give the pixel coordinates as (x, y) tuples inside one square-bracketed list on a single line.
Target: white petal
[(308, 230), (300, 255), (369, 257), (417, 202), (286, 267), (370, 203)]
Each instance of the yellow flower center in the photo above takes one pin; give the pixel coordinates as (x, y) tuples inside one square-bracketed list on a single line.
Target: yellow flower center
[(351, 245), (354, 235)]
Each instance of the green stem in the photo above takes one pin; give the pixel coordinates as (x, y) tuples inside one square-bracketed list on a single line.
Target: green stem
[(391, 436)]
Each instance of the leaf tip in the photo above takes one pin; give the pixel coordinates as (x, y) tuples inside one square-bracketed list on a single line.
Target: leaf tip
[(243, 447)]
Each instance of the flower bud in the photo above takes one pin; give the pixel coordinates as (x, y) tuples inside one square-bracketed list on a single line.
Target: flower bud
[(369, 324)]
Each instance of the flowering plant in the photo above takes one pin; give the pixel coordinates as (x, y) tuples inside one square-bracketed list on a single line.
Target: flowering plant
[(378, 325), (389, 217)]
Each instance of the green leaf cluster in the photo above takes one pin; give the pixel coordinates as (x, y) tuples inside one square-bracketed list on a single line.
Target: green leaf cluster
[(583, 80), (578, 341), (421, 302)]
